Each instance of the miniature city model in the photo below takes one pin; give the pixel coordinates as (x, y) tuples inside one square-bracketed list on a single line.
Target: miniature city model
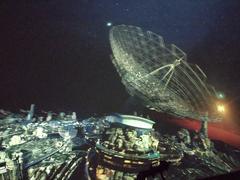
[(60, 146), (46, 145)]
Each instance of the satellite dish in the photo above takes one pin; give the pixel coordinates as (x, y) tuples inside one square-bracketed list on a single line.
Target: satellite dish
[(159, 74)]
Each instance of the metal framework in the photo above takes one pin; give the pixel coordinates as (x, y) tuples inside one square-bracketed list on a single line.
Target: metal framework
[(159, 74)]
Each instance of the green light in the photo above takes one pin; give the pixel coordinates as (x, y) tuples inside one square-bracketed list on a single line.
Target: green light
[(220, 95)]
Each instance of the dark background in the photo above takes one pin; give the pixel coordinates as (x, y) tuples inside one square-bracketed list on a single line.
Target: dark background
[(55, 53)]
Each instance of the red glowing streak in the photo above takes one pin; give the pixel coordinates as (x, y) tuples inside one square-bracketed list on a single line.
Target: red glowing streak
[(222, 131)]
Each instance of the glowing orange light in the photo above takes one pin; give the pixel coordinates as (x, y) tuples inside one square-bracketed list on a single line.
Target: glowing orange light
[(221, 108)]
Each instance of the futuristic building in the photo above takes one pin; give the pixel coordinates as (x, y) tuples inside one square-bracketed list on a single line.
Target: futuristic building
[(159, 74)]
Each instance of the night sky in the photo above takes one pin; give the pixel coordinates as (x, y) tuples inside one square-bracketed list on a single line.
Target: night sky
[(55, 53)]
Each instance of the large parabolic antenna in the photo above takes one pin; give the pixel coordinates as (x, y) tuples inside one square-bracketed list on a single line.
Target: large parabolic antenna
[(159, 75)]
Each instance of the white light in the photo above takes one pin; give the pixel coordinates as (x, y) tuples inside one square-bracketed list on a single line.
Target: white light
[(109, 24)]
